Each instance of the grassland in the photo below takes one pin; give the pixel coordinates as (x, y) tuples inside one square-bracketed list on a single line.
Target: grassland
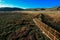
[(19, 26), (51, 19)]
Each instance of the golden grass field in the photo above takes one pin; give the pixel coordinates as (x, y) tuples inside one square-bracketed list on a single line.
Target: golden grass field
[(19, 25)]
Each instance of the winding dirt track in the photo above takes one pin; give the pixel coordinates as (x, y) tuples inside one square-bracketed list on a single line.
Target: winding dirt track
[(47, 31)]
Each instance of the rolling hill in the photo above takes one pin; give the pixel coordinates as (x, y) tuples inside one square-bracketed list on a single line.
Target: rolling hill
[(10, 9)]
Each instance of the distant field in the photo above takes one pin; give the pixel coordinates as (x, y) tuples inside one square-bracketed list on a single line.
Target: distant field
[(32, 12), (38, 12)]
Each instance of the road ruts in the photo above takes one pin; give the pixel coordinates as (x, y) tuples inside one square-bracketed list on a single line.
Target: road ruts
[(48, 31)]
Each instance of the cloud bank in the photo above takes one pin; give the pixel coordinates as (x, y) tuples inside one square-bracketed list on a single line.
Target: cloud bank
[(3, 4), (6, 5), (9, 5)]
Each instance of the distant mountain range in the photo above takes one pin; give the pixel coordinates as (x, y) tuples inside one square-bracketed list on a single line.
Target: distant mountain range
[(41, 9), (10, 9), (31, 9)]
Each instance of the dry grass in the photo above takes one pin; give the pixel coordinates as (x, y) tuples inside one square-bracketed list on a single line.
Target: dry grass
[(19, 26), (52, 19), (56, 17)]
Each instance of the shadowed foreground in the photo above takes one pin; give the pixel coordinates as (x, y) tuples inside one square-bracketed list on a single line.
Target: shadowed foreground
[(19, 26)]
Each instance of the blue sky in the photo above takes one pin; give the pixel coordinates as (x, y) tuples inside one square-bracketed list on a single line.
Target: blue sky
[(29, 3)]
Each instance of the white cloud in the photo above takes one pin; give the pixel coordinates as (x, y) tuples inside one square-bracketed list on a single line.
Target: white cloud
[(9, 5), (2, 4), (6, 5)]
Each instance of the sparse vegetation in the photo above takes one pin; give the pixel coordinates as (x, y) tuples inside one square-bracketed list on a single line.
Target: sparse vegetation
[(19, 26)]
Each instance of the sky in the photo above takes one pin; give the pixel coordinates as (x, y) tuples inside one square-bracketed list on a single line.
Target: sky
[(30, 3)]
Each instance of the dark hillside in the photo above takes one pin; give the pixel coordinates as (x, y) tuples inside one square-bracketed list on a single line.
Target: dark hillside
[(10, 9)]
